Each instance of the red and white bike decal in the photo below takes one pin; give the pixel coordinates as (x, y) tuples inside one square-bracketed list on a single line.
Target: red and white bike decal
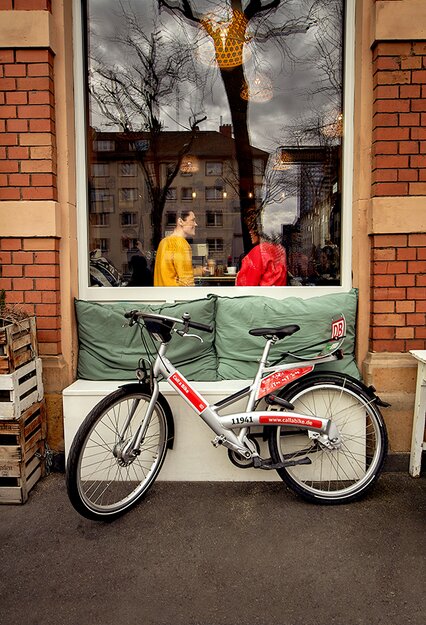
[(278, 379), (184, 388), (290, 420), (338, 328)]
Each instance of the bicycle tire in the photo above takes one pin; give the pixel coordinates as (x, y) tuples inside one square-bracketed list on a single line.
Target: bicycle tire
[(334, 476), (99, 487)]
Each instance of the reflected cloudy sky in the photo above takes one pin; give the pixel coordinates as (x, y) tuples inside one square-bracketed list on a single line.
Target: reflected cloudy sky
[(289, 66)]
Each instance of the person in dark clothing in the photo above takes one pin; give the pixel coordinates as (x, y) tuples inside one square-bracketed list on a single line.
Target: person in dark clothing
[(141, 275)]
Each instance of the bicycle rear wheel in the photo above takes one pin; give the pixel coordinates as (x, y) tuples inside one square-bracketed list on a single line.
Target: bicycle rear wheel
[(101, 485), (334, 476)]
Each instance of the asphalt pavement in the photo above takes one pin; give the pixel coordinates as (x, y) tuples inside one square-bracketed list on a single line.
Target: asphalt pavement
[(217, 554)]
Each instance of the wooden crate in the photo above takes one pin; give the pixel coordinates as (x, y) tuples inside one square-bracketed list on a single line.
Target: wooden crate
[(21, 454), (20, 389), (18, 344)]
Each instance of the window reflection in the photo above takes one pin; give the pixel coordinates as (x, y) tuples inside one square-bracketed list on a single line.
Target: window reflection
[(234, 114)]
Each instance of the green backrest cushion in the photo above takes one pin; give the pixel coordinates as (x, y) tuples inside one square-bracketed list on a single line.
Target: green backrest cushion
[(238, 352), (109, 351)]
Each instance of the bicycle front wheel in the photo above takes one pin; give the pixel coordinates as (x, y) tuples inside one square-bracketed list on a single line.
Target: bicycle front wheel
[(101, 483), (333, 476)]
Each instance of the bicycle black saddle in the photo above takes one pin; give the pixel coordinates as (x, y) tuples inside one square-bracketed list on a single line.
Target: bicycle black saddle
[(280, 332)]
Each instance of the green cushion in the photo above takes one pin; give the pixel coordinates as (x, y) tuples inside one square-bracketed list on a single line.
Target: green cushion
[(109, 351), (238, 352)]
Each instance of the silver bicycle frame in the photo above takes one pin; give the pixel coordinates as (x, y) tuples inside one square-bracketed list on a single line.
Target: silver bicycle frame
[(223, 426)]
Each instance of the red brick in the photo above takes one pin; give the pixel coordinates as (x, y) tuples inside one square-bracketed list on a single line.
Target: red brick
[(387, 62), (17, 125), (417, 133), (3, 180), (421, 306), (390, 188), (12, 271), (383, 333), (9, 193), (408, 147), (417, 240), (22, 258), (404, 333), (16, 97), (11, 244), (409, 119), (48, 310), (384, 254), (418, 105), (33, 111), (390, 240), (46, 125), (43, 193), (389, 92), (38, 244), (15, 70), (6, 56), (392, 78), (406, 253), (33, 56), (394, 134), (421, 280), (19, 180), (23, 284), (17, 152), (8, 84), (391, 161), (9, 138), (416, 266), (408, 175), (411, 62), (43, 180), (39, 69), (6, 284), (52, 271), (37, 166), (53, 323), (388, 346), (405, 307), (384, 48), (32, 297), (418, 77), (8, 166), (389, 320), (421, 253), (32, 5), (384, 307), (391, 294), (389, 267), (417, 188), (8, 112), (48, 336), (383, 281), (385, 147), (49, 297), (409, 91), (405, 280), (15, 297), (46, 258), (416, 292), (47, 284), (41, 97), (417, 319), (385, 119), (34, 84), (385, 175), (5, 258), (392, 106)]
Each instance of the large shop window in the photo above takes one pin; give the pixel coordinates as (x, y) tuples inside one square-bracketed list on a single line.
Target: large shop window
[(214, 128)]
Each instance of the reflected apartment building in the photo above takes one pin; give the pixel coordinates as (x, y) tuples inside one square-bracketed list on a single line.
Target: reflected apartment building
[(206, 183)]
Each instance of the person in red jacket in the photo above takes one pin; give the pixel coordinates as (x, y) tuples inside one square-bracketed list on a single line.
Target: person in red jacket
[(264, 265)]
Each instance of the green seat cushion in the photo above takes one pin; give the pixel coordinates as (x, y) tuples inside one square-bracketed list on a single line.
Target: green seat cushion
[(238, 352), (109, 351)]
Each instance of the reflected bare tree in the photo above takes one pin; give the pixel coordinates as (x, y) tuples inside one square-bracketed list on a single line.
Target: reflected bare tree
[(234, 23), (129, 97)]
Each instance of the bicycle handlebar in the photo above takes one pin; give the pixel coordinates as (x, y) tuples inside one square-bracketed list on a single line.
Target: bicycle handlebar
[(134, 315)]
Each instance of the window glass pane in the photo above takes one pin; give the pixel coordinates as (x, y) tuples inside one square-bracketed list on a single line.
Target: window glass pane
[(229, 117)]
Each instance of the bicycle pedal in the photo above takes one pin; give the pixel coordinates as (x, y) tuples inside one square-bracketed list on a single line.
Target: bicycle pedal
[(268, 465)]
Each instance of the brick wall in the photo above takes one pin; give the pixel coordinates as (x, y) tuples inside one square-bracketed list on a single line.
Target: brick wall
[(398, 262), (398, 295), (27, 126), (29, 267), (30, 276)]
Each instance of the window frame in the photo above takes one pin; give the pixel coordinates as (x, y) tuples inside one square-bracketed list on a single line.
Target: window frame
[(170, 294)]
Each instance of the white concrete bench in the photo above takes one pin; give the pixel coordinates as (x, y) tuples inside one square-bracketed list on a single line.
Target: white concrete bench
[(193, 457), (418, 444)]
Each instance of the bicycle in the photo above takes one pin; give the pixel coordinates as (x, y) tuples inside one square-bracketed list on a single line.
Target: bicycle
[(324, 431)]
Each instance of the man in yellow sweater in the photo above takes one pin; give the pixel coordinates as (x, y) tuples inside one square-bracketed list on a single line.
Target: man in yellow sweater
[(173, 262)]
